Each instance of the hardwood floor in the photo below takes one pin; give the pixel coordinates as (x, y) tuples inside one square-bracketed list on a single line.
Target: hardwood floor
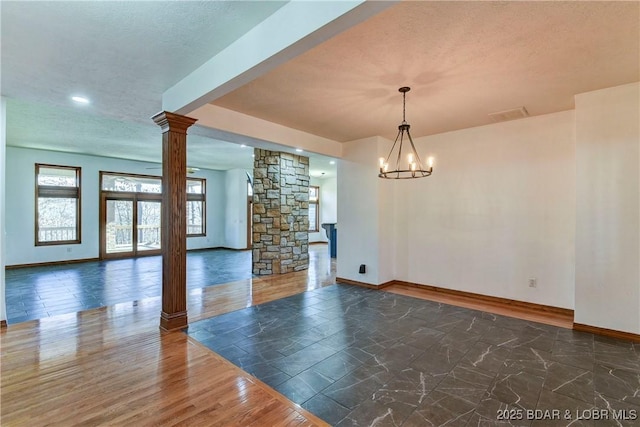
[(113, 366), (45, 291)]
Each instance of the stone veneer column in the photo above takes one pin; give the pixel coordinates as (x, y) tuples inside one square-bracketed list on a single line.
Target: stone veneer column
[(280, 212)]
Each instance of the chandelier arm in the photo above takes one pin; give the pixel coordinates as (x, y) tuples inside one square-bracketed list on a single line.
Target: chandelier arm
[(399, 152), (415, 151), (394, 146)]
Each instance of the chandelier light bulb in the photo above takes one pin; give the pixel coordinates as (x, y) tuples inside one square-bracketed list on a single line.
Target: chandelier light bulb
[(430, 162)]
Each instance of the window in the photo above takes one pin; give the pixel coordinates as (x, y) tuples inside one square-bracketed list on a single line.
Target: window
[(130, 183), (57, 205), (150, 188), (196, 207), (314, 205)]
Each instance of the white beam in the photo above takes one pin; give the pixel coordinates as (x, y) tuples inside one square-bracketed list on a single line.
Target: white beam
[(293, 29), (231, 122)]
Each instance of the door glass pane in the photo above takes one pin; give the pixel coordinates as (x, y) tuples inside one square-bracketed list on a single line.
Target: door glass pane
[(119, 227), (148, 226)]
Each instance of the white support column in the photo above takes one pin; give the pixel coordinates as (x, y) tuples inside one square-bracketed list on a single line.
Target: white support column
[(608, 208), (366, 216)]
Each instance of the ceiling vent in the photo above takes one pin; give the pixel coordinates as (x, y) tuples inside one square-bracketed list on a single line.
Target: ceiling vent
[(515, 113)]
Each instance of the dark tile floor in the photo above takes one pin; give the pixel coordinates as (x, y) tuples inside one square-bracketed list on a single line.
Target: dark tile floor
[(358, 357), (37, 292)]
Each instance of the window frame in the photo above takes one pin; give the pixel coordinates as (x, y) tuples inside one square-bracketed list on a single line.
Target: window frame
[(130, 175), (58, 192), (316, 228), (199, 197)]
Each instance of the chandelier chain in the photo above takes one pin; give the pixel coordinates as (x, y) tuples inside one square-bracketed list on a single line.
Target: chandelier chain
[(404, 107)]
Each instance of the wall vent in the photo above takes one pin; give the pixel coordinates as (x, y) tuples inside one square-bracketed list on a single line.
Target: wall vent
[(513, 114)]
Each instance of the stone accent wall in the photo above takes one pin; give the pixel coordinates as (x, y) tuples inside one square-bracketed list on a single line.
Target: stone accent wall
[(280, 212)]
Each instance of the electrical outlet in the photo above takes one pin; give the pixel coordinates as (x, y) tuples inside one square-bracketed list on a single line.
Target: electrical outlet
[(533, 282), (68, 249)]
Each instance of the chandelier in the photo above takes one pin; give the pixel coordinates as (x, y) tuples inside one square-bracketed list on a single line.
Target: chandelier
[(408, 168)]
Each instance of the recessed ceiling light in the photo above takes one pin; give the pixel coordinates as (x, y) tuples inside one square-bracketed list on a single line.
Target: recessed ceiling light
[(242, 145), (80, 99), (332, 162), (299, 150)]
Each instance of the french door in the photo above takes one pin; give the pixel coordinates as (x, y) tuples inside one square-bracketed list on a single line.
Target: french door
[(129, 225)]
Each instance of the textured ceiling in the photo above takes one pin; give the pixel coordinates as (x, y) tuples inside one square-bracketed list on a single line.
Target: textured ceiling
[(121, 54), (99, 136), (463, 61)]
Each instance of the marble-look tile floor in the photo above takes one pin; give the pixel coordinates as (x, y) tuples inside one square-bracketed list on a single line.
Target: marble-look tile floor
[(44, 291), (359, 357)]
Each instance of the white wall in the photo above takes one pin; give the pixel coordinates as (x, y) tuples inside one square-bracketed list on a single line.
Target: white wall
[(361, 208), (3, 135), (608, 208), (553, 197), (329, 199), (20, 208), (499, 209), (328, 205), (215, 211), (235, 229)]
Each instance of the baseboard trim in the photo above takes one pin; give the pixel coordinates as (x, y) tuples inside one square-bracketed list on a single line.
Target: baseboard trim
[(50, 263), (232, 249), (563, 315), (215, 248), (612, 333), (386, 284), (490, 299), (80, 260), (362, 284)]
